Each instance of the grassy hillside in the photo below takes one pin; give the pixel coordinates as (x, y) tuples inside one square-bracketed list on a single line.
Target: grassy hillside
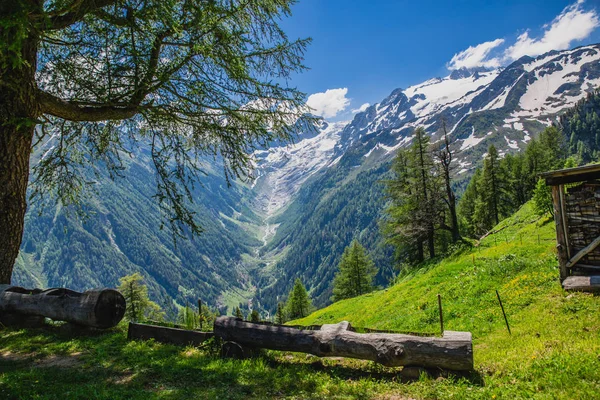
[(553, 352), (554, 349)]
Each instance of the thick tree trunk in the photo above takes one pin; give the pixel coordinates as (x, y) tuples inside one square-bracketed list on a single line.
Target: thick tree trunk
[(19, 109), (99, 308), (453, 351), (15, 147)]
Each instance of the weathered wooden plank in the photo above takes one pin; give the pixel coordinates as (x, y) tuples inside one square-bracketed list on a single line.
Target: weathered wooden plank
[(565, 226), (453, 351), (98, 308), (572, 175), (583, 252), (582, 283), (163, 334), (560, 233)]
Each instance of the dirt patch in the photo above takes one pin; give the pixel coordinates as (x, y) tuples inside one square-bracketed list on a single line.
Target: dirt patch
[(59, 361), (124, 379), (392, 396), (9, 356)]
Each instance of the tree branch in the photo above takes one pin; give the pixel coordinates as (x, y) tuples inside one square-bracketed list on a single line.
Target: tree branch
[(75, 12), (58, 107)]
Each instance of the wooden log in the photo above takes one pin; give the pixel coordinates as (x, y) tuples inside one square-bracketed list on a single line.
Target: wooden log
[(582, 283), (453, 351), (163, 334), (98, 308)]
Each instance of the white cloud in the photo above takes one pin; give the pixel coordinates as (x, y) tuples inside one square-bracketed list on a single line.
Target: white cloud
[(572, 24), (476, 56), (330, 103), (361, 108)]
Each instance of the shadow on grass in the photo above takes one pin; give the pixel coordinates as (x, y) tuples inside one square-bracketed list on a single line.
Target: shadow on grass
[(111, 367)]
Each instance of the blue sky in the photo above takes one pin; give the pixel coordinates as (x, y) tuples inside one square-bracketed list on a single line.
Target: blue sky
[(370, 47)]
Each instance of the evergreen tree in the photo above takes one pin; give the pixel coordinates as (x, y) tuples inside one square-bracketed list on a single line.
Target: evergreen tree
[(468, 204), (188, 317), (417, 208), (280, 315), (138, 304), (298, 303), (238, 313), (355, 273), (445, 156), (254, 316), (542, 198)]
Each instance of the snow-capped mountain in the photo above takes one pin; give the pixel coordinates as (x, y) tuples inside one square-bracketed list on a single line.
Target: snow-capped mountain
[(343, 198), (281, 170), (505, 106)]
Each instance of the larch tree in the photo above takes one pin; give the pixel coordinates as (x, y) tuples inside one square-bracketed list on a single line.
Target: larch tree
[(445, 156), (280, 315), (298, 304), (138, 304), (416, 210), (186, 78), (356, 271)]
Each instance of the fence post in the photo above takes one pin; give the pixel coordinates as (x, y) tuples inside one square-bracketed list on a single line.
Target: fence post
[(441, 314), (503, 313)]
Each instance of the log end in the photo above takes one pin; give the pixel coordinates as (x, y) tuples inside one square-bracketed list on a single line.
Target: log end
[(109, 309)]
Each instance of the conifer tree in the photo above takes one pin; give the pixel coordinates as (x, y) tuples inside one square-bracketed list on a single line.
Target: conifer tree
[(416, 209), (254, 316), (355, 273), (542, 198), (444, 157), (138, 304), (238, 313), (298, 303), (280, 315)]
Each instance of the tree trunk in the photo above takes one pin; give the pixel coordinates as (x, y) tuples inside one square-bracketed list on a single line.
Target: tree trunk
[(19, 110), (453, 351), (99, 308), (15, 147)]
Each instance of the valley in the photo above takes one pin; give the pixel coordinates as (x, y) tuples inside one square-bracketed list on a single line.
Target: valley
[(308, 199)]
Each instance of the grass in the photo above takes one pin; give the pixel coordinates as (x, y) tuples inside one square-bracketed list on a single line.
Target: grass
[(553, 352)]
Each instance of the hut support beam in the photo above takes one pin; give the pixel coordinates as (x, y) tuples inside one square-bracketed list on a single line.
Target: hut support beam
[(560, 231), (583, 252)]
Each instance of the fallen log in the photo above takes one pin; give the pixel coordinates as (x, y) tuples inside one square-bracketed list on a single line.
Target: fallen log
[(453, 351), (163, 334), (98, 308)]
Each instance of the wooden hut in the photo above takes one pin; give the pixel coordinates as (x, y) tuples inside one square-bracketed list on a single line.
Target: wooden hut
[(576, 199)]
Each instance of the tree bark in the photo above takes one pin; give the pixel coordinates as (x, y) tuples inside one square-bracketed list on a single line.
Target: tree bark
[(453, 351), (19, 110), (99, 308)]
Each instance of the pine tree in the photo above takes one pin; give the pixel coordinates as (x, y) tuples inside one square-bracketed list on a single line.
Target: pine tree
[(238, 313), (138, 304), (254, 316), (188, 317), (298, 304), (355, 273), (280, 315), (468, 203), (444, 157), (417, 208)]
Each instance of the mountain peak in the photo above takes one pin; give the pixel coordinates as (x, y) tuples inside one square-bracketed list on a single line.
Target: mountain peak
[(465, 72)]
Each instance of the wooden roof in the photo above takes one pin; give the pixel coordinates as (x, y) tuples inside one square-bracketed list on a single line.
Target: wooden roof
[(572, 175)]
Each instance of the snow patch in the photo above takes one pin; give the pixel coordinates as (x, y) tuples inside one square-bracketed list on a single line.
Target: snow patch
[(471, 141)]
